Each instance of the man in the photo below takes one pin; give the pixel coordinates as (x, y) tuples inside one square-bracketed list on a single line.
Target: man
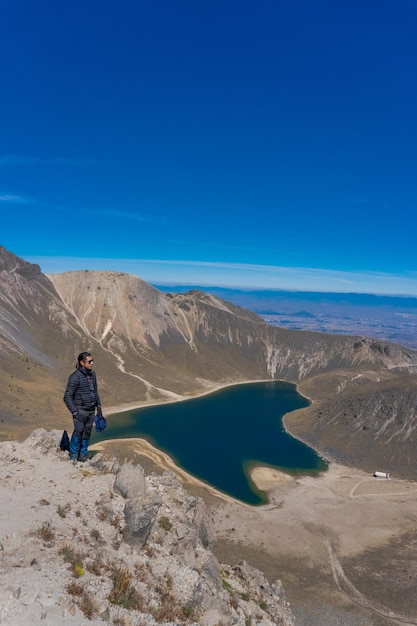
[(81, 398)]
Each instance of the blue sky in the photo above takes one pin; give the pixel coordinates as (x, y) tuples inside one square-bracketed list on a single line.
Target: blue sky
[(228, 143)]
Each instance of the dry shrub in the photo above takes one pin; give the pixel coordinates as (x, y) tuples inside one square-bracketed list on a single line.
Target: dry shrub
[(96, 566), (74, 558), (70, 555), (149, 550), (46, 532), (170, 611), (119, 620), (74, 589), (95, 534), (87, 605), (141, 572), (165, 523), (63, 510), (123, 593), (116, 521), (85, 601)]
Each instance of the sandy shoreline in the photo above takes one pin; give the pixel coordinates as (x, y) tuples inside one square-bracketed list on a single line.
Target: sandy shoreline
[(334, 539), (160, 459), (273, 481), (264, 478), (310, 532)]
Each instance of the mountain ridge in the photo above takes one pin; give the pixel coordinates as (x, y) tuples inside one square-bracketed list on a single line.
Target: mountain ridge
[(387, 318), (153, 347)]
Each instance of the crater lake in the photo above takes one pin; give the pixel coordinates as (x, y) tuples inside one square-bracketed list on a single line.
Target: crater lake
[(219, 437)]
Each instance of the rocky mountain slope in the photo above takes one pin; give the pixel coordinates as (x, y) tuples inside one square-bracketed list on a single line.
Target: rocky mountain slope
[(370, 421), (103, 543), (153, 347)]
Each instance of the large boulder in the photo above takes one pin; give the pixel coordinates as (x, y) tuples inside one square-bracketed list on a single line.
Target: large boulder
[(130, 482), (140, 515)]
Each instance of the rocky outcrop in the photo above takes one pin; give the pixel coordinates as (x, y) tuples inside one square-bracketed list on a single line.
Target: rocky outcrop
[(102, 543), (140, 515), (130, 482)]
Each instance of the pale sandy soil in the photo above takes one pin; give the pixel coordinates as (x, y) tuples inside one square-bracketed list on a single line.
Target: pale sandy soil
[(342, 542)]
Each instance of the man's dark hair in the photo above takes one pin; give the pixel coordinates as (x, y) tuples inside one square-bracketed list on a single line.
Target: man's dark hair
[(82, 356)]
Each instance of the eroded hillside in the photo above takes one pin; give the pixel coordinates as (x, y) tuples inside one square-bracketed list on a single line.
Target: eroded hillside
[(154, 347), (368, 420)]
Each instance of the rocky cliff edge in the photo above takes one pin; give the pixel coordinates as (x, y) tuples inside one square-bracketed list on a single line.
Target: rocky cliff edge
[(102, 543)]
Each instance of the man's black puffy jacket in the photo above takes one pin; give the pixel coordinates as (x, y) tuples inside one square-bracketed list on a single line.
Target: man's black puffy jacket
[(81, 391)]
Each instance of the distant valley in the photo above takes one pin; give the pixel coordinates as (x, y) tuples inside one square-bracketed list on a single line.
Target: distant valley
[(389, 318)]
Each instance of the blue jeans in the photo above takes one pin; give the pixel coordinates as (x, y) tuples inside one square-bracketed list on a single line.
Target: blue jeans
[(83, 425)]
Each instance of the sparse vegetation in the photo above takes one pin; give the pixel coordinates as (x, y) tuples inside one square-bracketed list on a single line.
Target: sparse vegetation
[(226, 585), (78, 571), (87, 605), (149, 550), (115, 521), (63, 510), (165, 523), (74, 558), (95, 534), (123, 592), (169, 610), (118, 620), (74, 589), (46, 532), (96, 566)]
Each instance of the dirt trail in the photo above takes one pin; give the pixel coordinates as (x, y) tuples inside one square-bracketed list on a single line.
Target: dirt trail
[(316, 534), (354, 595)]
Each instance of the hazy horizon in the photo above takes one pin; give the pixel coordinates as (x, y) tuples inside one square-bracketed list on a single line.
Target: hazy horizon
[(239, 276)]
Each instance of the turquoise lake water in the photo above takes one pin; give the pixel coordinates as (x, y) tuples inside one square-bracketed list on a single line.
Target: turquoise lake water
[(219, 437)]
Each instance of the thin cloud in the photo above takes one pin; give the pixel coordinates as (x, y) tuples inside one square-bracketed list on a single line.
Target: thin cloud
[(300, 275), (14, 160), (12, 199), (241, 276)]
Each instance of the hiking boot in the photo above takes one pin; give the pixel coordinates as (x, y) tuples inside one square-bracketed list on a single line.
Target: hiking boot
[(83, 458)]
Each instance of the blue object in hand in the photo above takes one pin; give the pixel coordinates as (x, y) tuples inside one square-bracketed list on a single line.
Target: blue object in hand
[(100, 422)]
